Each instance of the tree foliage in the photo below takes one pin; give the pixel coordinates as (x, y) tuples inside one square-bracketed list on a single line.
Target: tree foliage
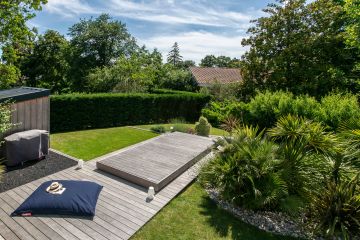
[(14, 14), (97, 43), (220, 61), (174, 56), (136, 73), (301, 48), (15, 36), (47, 66)]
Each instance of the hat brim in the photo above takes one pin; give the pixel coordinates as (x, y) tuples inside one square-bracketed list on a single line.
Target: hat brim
[(54, 190)]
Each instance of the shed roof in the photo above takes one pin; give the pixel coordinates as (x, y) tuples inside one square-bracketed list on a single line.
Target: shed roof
[(210, 75), (23, 94)]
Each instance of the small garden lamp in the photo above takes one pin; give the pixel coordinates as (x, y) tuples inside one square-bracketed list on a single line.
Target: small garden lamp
[(151, 193), (80, 164)]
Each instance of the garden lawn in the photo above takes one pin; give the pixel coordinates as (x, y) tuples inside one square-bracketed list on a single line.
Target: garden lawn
[(167, 126), (193, 215), (89, 144)]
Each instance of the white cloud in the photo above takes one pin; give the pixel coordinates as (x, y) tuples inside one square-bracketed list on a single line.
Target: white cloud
[(196, 45), (70, 8), (164, 11)]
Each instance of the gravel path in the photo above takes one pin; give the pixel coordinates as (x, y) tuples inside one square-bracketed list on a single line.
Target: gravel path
[(33, 170)]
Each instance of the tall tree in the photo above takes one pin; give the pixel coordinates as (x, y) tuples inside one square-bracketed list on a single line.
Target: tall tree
[(352, 8), (136, 73), (209, 61), (299, 47), (97, 43), (14, 35), (220, 61), (47, 66), (174, 56)]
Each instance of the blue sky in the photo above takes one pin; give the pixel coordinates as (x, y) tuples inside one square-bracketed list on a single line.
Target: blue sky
[(200, 27)]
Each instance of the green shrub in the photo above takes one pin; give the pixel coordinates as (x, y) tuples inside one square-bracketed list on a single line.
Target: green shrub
[(158, 129), (266, 108), (82, 111), (217, 112), (245, 173), (5, 125), (202, 127), (337, 108)]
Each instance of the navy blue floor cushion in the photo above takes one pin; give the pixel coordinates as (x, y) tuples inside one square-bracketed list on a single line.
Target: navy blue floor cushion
[(79, 199)]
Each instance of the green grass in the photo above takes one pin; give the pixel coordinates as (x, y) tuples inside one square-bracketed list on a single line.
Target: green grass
[(193, 215), (214, 131), (89, 144)]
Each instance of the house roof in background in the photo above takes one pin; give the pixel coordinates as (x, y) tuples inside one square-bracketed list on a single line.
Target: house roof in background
[(210, 75), (23, 94)]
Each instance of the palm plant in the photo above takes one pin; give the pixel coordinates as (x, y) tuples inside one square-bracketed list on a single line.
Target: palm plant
[(305, 146), (350, 136), (246, 171)]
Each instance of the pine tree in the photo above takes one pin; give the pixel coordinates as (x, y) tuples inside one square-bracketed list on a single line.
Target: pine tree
[(174, 56)]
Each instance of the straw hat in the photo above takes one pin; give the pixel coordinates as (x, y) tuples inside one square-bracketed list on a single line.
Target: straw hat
[(54, 187)]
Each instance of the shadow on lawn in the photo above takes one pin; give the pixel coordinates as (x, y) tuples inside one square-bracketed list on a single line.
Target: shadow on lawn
[(227, 225)]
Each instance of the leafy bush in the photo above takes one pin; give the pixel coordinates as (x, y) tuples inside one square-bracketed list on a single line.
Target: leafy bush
[(158, 129), (5, 125), (337, 108), (202, 127), (5, 116), (218, 112), (266, 108), (82, 111), (178, 79)]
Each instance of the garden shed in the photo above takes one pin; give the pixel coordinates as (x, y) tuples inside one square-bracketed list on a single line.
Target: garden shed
[(30, 108)]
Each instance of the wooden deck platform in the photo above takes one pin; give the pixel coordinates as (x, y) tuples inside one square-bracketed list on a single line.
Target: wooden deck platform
[(122, 208), (158, 161)]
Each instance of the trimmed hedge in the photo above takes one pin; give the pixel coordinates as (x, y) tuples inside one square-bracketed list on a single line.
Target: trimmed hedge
[(83, 111)]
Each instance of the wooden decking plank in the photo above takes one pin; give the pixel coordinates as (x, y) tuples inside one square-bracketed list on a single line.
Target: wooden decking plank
[(14, 226), (15, 200), (33, 231), (124, 185), (122, 208), (140, 213), (6, 232), (131, 199), (157, 162)]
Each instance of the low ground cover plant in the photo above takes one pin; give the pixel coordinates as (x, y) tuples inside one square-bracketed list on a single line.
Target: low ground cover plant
[(298, 167), (158, 129)]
